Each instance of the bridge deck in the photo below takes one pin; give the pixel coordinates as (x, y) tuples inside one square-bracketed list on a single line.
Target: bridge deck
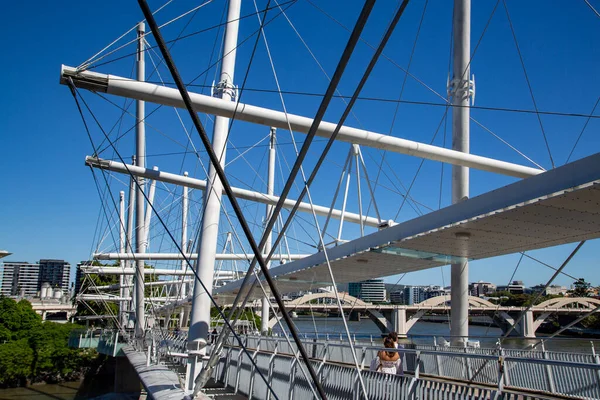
[(557, 207)]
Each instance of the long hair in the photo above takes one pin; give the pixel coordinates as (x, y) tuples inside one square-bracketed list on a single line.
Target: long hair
[(388, 343)]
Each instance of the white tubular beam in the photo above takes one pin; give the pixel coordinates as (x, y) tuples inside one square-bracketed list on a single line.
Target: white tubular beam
[(238, 192), (131, 271), (146, 284), (128, 88), (190, 256), (108, 297)]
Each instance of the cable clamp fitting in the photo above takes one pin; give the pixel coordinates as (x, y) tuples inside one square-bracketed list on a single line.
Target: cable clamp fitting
[(224, 87), (461, 88)]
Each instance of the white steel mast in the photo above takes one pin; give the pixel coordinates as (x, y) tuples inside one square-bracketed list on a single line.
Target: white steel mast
[(184, 246), (264, 324), (122, 304), (207, 243), (460, 90), (140, 245), (129, 242)]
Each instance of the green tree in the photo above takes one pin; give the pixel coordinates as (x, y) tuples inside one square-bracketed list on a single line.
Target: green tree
[(16, 358), (16, 319), (581, 288)]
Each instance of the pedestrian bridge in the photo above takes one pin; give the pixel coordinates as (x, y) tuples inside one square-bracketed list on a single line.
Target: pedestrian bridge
[(430, 371), (556, 207), (401, 318)]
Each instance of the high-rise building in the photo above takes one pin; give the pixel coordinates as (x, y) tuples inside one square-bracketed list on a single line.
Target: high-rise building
[(20, 278), (516, 287), (550, 290), (372, 290), (413, 295), (397, 297), (434, 291), (481, 288), (55, 272)]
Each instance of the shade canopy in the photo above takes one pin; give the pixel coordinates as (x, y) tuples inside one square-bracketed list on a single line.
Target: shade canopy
[(557, 207)]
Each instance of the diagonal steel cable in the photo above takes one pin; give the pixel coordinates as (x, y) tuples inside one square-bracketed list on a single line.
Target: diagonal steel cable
[(514, 35), (221, 174)]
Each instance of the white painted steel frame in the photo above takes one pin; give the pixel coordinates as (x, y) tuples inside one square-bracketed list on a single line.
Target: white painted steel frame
[(128, 88), (189, 256), (238, 192)]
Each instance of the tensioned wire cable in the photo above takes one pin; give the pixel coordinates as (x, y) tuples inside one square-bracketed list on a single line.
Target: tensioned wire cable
[(583, 130), (86, 64), (291, 2), (155, 67), (312, 208), (331, 140), (278, 320), (345, 57), (75, 92), (564, 264), (592, 8), (310, 136), (535, 299), (106, 214), (412, 102), (187, 261), (266, 22), (402, 87), (118, 324), (429, 88), (223, 178), (514, 35), (447, 108), (218, 26)]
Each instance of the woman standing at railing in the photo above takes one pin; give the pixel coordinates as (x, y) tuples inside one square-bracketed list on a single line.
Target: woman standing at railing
[(387, 362)]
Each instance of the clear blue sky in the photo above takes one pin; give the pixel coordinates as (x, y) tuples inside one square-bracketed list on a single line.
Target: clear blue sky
[(49, 205)]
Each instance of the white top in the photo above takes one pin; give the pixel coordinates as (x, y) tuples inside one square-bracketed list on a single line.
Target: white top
[(390, 367)]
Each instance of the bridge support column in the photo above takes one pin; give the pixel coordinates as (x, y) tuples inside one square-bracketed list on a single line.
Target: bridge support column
[(207, 242), (460, 90), (399, 322), (527, 327), (184, 316)]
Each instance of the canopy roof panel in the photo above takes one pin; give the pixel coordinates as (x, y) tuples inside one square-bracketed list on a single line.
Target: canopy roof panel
[(557, 207)]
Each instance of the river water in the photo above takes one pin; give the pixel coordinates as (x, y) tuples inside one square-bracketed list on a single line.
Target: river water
[(423, 332), (60, 391)]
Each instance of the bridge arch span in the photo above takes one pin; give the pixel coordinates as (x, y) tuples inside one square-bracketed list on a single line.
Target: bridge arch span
[(562, 302), (345, 298), (441, 300)]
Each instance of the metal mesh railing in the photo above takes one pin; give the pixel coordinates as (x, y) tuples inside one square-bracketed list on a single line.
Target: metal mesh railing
[(340, 382), (571, 375)]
